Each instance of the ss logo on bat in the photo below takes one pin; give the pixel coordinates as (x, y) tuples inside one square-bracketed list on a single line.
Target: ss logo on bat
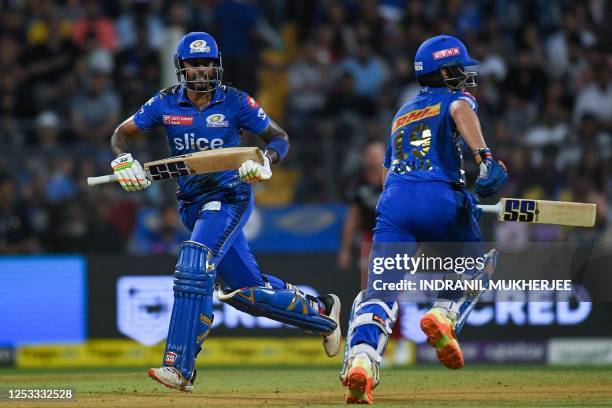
[(520, 210), (164, 171)]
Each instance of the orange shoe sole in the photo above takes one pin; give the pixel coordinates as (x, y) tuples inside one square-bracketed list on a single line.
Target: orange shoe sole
[(358, 383), (442, 338)]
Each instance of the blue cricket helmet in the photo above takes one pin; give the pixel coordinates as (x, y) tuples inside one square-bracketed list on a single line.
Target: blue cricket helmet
[(441, 51), (198, 45)]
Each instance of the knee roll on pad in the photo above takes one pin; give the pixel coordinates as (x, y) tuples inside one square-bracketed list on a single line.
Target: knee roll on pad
[(192, 315), (289, 306), (371, 324)]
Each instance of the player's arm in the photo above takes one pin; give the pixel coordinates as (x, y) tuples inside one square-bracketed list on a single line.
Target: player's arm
[(493, 173), (128, 170), (277, 146), (277, 142)]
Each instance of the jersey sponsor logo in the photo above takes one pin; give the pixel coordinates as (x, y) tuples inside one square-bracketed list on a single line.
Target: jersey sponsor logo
[(190, 142), (252, 102), (216, 120), (178, 120), (448, 52), (415, 115), (198, 46)]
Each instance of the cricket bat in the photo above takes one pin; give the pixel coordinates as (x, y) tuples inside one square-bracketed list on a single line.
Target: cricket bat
[(543, 212), (207, 161)]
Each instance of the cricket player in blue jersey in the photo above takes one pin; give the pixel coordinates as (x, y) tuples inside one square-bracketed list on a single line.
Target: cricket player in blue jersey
[(198, 114), (424, 200)]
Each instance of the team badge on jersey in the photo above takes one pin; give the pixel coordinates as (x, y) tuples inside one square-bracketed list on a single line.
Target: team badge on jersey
[(216, 121), (252, 102)]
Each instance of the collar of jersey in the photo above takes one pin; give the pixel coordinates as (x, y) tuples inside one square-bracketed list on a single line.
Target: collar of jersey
[(184, 100), (441, 89)]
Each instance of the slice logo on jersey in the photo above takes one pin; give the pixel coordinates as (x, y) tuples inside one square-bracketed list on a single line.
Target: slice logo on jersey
[(170, 358), (216, 120), (252, 102), (178, 120), (189, 141), (413, 116), (198, 46), (448, 52)]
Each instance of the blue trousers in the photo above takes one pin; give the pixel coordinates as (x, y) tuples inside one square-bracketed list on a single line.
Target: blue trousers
[(220, 229), (410, 213)]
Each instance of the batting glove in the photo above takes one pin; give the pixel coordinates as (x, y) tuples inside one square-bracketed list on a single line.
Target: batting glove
[(493, 174), (253, 172), (129, 173)]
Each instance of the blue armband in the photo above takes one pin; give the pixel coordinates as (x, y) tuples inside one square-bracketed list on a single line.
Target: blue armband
[(280, 145)]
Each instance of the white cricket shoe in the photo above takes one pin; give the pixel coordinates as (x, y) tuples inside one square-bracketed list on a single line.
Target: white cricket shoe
[(332, 342), (171, 378)]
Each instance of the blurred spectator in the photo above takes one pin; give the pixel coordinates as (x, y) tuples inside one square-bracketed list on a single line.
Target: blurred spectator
[(141, 15), (16, 234), (158, 232), (368, 70), (596, 98), (95, 111), (94, 24), (237, 25)]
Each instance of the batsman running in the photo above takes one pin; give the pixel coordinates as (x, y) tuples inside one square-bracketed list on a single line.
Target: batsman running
[(198, 114), (424, 200)]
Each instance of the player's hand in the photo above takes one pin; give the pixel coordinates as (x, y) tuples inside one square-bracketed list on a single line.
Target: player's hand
[(493, 174), (253, 172), (129, 173)]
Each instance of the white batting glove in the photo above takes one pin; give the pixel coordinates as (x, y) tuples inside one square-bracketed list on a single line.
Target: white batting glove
[(129, 173), (253, 172)]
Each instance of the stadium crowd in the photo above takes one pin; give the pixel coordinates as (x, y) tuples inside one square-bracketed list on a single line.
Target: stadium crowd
[(72, 69)]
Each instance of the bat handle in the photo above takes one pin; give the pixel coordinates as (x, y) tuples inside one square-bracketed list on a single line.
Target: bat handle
[(494, 209), (94, 181)]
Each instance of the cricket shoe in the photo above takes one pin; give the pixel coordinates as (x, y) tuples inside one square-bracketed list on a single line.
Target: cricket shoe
[(172, 378), (359, 380), (332, 342), (440, 333)]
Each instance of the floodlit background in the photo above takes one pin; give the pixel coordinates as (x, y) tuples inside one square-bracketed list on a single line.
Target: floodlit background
[(85, 271)]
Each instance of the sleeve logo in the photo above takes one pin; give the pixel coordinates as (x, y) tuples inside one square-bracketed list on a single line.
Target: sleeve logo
[(252, 102)]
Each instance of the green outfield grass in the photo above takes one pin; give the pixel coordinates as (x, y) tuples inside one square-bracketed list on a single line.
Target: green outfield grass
[(428, 386)]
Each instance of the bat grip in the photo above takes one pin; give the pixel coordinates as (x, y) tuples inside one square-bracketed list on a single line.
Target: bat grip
[(489, 208), (94, 181)]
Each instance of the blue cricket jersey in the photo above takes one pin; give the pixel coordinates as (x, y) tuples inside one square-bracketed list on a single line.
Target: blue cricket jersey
[(424, 144), (216, 126)]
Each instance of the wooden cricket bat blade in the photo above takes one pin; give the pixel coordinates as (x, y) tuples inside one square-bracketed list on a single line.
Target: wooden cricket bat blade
[(206, 161), (544, 212)]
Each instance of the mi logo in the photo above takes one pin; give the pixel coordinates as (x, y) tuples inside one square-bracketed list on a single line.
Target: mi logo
[(416, 115)]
